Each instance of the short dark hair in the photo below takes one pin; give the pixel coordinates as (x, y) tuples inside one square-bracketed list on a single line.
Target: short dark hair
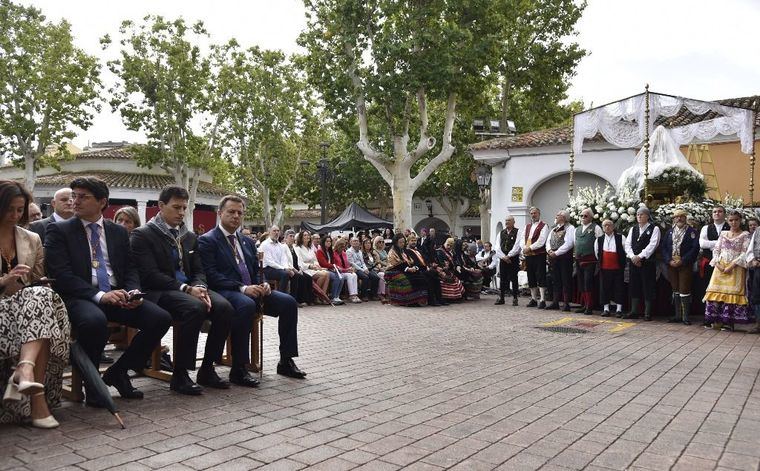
[(9, 190), (233, 198), (94, 185), (173, 191)]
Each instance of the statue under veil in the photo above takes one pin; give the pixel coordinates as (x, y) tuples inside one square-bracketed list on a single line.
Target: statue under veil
[(664, 157)]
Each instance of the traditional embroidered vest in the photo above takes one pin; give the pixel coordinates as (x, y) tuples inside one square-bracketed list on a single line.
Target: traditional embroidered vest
[(557, 237), (756, 245), (712, 234), (528, 229), (508, 239), (611, 260), (640, 241), (584, 240)]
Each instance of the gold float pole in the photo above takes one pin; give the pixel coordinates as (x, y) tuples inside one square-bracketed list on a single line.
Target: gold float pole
[(752, 165), (572, 158), (646, 142)]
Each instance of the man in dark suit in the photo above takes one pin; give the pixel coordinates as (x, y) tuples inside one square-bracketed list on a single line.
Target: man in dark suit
[(166, 255), (231, 266), (88, 258), (63, 209), (428, 247)]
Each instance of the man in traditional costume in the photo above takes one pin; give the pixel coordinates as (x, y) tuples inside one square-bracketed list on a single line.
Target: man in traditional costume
[(610, 251), (586, 235), (708, 237), (559, 250), (532, 244), (640, 247), (680, 248), (509, 264)]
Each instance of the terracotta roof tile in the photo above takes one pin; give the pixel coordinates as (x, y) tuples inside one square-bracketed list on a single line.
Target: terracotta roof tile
[(126, 180), (117, 153), (561, 135)]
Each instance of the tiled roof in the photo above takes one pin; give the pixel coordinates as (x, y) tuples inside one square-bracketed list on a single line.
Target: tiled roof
[(116, 153), (561, 135), (472, 212), (126, 180)]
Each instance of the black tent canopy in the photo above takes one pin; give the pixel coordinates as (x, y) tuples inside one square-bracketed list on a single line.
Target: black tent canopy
[(354, 217)]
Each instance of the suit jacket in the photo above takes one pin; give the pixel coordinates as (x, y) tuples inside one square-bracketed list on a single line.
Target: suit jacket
[(29, 252), (39, 227), (69, 261), (219, 261), (428, 248), (689, 246), (151, 252)]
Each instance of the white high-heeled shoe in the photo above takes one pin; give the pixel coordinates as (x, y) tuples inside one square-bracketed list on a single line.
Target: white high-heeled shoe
[(14, 390), (45, 422)]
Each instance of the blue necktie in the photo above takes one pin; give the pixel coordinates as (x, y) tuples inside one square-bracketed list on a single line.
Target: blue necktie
[(242, 267), (103, 283), (179, 273)]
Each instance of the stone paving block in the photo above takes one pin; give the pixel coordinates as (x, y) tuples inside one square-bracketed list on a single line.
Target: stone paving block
[(118, 459), (654, 462), (405, 456), (316, 454), (283, 465), (692, 463), (275, 452), (238, 464), (737, 461), (523, 461), (174, 456)]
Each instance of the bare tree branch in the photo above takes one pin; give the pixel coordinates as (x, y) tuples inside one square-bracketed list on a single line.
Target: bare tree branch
[(446, 151), (426, 142)]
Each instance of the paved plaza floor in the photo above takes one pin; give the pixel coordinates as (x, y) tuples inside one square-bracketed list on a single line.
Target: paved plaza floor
[(470, 386)]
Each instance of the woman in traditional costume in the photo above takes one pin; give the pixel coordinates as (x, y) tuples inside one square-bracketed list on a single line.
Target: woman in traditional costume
[(451, 287), (404, 284), (725, 298)]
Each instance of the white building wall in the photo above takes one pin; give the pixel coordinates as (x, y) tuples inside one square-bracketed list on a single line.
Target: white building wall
[(528, 168)]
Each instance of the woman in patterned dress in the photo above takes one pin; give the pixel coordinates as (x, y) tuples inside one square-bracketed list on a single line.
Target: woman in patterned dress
[(726, 299), (34, 325), (404, 284), (451, 287)]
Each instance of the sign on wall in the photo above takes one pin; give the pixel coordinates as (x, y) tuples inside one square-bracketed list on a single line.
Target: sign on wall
[(517, 194)]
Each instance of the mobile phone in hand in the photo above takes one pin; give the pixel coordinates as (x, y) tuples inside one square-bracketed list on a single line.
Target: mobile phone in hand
[(44, 281), (135, 296)]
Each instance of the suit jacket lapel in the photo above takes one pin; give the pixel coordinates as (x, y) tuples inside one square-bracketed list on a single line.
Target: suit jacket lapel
[(224, 246), (24, 249), (110, 235)]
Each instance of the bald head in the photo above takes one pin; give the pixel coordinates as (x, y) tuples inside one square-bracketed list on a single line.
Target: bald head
[(62, 203)]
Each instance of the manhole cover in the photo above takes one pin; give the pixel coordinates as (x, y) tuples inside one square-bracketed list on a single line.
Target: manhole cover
[(562, 330)]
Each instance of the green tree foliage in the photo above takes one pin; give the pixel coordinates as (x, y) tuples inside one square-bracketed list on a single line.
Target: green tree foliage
[(163, 90), (48, 87)]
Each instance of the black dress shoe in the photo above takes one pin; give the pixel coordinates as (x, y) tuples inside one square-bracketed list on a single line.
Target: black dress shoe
[(647, 317), (542, 305), (182, 384), (619, 314), (532, 303), (553, 307), (566, 308), (514, 302), (120, 380), (207, 377), (606, 314), (687, 322), (674, 320), (631, 315), (499, 302), (588, 311), (580, 310), (290, 369), (242, 377), (105, 359)]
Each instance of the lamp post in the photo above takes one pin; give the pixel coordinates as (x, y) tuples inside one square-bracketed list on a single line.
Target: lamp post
[(429, 204), (483, 176), (323, 173)]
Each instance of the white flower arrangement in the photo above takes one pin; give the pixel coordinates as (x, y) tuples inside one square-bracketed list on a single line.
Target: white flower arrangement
[(604, 203)]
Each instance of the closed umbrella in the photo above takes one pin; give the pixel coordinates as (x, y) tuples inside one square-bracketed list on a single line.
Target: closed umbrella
[(95, 386)]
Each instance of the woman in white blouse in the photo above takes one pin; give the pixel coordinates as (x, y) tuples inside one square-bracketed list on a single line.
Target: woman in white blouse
[(307, 260)]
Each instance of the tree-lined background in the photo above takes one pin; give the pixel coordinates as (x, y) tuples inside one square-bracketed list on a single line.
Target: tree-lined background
[(393, 86)]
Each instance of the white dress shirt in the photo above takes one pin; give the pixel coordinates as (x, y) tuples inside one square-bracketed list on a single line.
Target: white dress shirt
[(104, 250), (540, 242), (274, 254), (567, 244), (609, 245), (704, 242), (649, 249)]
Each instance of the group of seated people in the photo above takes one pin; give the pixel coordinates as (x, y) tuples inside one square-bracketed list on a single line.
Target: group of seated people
[(75, 271), (401, 271), (718, 261)]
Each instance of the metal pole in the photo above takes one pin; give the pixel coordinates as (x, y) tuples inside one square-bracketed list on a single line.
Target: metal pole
[(646, 142), (571, 186), (322, 169), (752, 165)]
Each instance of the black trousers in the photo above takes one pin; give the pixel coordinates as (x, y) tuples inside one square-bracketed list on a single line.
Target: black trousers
[(368, 283), (562, 278), (434, 286), (280, 275), (508, 274), (536, 267), (643, 280), (300, 288), (280, 305), (612, 288), (487, 274), (90, 322), (586, 274), (190, 312)]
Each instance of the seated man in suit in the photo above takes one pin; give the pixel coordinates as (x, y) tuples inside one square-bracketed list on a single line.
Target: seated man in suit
[(87, 256), (165, 252), (231, 265), (63, 209)]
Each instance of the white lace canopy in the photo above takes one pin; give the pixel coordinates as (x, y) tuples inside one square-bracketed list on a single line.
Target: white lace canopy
[(623, 122)]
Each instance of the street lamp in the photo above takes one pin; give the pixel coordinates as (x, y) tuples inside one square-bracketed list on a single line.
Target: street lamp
[(323, 173), (483, 176), (429, 204)]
